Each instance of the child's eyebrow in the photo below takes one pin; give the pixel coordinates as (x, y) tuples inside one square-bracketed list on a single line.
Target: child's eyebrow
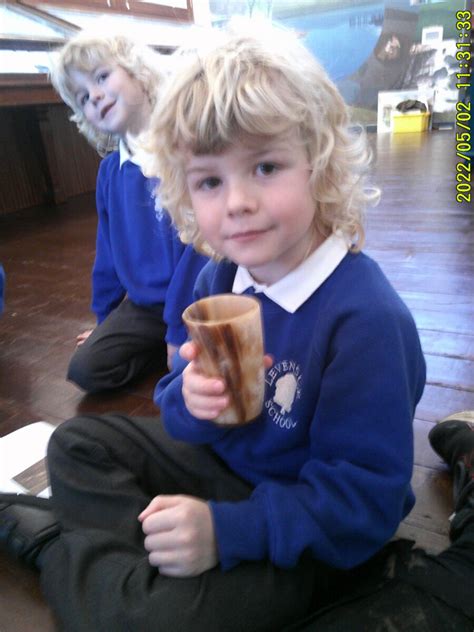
[(252, 153), (261, 153), (198, 169)]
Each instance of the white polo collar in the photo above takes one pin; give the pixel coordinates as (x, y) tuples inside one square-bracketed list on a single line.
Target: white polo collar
[(125, 155), (297, 286)]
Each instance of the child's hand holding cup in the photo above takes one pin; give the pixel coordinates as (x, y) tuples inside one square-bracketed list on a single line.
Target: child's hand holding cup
[(227, 328)]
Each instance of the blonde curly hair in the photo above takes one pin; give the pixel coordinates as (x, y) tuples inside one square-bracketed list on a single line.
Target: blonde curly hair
[(85, 52), (265, 85)]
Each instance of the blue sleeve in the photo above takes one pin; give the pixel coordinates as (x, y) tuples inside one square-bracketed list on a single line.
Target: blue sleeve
[(354, 488), (187, 265), (176, 418), (107, 291), (2, 288)]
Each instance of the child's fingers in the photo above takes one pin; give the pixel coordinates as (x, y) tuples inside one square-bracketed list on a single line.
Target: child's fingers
[(196, 383), (158, 517), (153, 505), (205, 398), (189, 351), (206, 407), (267, 361)]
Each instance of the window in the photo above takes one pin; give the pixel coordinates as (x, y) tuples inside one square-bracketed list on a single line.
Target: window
[(33, 29)]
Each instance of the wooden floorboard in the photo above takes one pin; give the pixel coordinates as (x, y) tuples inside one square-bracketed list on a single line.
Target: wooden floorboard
[(423, 240)]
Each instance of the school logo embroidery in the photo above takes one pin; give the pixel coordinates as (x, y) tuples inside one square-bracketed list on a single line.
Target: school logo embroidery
[(284, 379)]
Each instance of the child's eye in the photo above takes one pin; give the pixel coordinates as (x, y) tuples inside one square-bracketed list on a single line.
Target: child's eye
[(266, 168), (102, 76), (209, 183), (83, 99)]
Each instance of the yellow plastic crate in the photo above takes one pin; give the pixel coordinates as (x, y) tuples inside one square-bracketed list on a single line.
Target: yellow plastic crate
[(410, 122)]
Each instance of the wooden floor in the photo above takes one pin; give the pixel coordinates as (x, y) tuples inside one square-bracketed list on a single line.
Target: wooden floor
[(421, 237)]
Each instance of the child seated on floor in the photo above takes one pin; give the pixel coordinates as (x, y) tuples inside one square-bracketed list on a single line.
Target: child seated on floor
[(259, 166), (143, 275), (247, 528)]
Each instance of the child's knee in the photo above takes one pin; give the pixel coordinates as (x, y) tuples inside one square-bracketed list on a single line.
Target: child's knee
[(92, 372), (71, 438), (81, 370)]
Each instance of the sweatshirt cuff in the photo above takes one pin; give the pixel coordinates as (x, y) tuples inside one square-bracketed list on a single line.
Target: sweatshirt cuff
[(241, 532), (176, 335), (177, 420)]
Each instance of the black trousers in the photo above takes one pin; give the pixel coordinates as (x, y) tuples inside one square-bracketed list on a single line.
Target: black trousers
[(411, 591), (129, 341), (105, 469)]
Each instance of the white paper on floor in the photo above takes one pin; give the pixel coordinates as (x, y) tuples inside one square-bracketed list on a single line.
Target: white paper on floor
[(23, 460)]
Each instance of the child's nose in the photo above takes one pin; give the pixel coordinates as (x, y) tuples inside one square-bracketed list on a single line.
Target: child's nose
[(96, 94), (241, 199)]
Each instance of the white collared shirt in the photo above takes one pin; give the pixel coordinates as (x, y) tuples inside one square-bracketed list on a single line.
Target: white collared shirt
[(126, 155), (297, 286)]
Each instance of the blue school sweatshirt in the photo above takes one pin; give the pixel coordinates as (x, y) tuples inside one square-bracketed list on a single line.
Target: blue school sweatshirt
[(138, 251), (331, 455)]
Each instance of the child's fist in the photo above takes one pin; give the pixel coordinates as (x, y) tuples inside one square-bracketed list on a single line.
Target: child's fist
[(205, 397)]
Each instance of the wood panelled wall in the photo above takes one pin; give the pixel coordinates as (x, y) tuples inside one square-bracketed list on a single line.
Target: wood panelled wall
[(43, 158)]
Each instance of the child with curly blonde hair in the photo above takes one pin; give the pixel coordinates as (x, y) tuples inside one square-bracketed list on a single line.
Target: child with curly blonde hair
[(143, 275), (261, 170), (250, 528)]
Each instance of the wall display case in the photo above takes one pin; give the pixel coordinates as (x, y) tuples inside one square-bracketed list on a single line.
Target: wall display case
[(43, 158), (372, 46)]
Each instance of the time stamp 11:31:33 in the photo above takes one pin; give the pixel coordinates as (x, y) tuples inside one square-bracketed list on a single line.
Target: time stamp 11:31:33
[(463, 108)]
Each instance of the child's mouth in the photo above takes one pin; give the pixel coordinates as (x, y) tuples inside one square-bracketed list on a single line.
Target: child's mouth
[(106, 110), (249, 235)]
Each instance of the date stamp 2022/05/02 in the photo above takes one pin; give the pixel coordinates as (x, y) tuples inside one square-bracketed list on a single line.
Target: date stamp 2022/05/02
[(463, 109)]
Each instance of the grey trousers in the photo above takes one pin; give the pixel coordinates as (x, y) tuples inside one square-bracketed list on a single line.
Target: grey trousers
[(105, 469), (127, 343), (412, 591)]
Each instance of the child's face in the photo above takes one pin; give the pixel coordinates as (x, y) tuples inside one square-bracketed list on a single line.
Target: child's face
[(112, 101), (253, 204)]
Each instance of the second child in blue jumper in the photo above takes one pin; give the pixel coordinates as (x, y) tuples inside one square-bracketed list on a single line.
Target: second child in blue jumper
[(188, 525), (143, 274)]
